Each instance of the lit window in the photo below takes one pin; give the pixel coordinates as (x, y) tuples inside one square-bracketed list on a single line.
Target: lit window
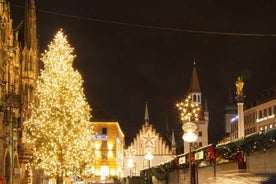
[(270, 126), (104, 172)]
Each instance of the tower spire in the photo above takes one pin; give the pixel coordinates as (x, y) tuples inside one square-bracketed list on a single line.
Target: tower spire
[(173, 139), (173, 143), (230, 98), (194, 85), (146, 115), (30, 28)]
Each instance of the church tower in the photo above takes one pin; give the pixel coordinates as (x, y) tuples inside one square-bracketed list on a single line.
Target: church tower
[(8, 69), (30, 58), (18, 74), (195, 90), (197, 98), (230, 113)]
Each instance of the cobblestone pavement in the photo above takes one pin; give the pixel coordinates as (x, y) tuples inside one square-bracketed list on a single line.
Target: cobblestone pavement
[(242, 178)]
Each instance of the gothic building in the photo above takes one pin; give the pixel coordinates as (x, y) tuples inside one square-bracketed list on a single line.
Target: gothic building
[(147, 149), (18, 74)]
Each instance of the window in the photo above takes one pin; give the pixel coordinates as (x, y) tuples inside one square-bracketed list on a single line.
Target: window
[(194, 98), (274, 109), (104, 131), (200, 144), (104, 172), (198, 97), (146, 164), (260, 114), (269, 111), (200, 133)]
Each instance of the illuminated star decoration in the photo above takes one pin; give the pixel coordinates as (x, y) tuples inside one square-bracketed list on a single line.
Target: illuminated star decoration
[(130, 152), (189, 111), (148, 139)]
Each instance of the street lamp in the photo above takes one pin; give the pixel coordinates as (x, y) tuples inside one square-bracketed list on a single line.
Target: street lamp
[(130, 154), (130, 165), (190, 136), (149, 156), (149, 143), (189, 112)]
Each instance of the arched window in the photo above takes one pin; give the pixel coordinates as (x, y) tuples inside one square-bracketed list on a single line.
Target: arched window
[(194, 98), (198, 98)]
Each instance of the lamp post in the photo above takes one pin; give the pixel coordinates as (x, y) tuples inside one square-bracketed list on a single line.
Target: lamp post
[(189, 115), (149, 143), (130, 165), (149, 156), (130, 155), (190, 136)]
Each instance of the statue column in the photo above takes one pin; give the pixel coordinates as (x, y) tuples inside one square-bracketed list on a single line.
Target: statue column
[(240, 100)]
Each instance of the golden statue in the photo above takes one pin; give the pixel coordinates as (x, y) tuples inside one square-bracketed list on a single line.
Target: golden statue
[(239, 86)]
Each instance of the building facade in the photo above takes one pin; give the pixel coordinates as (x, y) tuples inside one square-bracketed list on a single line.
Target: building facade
[(18, 74), (109, 143), (260, 117), (147, 149)]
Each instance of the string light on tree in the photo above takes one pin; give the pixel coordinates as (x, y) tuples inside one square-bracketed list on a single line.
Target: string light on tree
[(59, 126)]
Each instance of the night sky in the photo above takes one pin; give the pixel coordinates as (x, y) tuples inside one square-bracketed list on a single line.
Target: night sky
[(130, 52)]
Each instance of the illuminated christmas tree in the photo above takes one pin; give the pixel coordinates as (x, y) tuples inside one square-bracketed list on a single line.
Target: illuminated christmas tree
[(59, 125)]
